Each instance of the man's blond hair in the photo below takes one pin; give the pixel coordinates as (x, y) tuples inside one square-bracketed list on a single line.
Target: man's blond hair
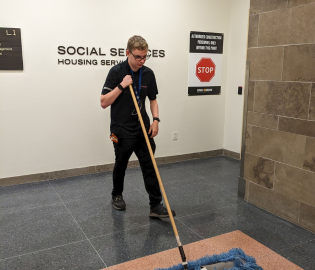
[(137, 42)]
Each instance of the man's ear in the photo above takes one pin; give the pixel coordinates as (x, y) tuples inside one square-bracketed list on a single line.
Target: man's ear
[(127, 52)]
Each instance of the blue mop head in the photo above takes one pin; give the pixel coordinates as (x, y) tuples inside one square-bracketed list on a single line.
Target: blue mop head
[(235, 255)]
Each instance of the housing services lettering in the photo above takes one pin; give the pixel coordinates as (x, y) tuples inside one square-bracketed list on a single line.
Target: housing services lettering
[(72, 51)]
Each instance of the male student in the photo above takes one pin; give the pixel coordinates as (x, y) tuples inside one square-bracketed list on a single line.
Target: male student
[(125, 127)]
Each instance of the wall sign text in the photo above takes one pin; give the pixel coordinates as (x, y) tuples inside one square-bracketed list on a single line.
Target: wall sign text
[(106, 55)]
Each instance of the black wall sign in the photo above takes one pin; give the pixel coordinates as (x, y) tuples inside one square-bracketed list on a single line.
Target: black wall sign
[(203, 42), (10, 49), (199, 91), (205, 63)]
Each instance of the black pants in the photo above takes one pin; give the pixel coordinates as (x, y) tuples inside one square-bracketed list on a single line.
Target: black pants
[(123, 151)]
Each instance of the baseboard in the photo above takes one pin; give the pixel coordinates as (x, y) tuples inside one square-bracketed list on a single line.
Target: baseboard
[(23, 179), (231, 154), (241, 188)]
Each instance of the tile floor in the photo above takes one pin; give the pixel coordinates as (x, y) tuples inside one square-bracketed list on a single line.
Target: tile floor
[(69, 223)]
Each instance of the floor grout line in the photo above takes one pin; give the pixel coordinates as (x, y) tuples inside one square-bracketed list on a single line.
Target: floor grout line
[(79, 226), (284, 249), (140, 191), (30, 208), (224, 189), (132, 228), (178, 217), (37, 251), (202, 238), (84, 198)]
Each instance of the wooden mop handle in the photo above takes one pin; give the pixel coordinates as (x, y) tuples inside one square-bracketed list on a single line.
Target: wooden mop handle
[(154, 162)]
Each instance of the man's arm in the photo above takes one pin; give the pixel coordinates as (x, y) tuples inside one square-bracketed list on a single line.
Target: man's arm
[(109, 98), (154, 128)]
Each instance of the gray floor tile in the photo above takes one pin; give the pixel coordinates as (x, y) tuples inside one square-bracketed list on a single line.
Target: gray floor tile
[(84, 186), (188, 193), (169, 174), (228, 183), (128, 245), (226, 179), (36, 229), (286, 236), (80, 255), (196, 196), (96, 216), (172, 173), (221, 171), (15, 198), (211, 166), (302, 255), (135, 179), (241, 217)]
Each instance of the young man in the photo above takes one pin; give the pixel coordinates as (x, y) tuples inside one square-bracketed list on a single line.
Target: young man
[(125, 126)]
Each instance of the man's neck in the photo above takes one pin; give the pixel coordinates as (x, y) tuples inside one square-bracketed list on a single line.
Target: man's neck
[(133, 68)]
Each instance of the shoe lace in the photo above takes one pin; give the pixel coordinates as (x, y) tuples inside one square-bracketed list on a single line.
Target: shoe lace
[(118, 198), (162, 208)]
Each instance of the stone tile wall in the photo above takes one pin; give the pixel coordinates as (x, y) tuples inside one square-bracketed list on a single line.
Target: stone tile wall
[(280, 139)]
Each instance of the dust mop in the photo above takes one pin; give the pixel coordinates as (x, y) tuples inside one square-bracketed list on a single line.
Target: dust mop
[(234, 258)]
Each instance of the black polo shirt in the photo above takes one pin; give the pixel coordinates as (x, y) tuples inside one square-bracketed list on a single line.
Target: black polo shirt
[(124, 118)]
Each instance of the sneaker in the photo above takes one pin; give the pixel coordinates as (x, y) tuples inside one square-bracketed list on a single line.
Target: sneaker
[(118, 202), (160, 211)]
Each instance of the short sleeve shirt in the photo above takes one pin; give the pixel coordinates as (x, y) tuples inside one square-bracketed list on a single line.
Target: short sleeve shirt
[(124, 119)]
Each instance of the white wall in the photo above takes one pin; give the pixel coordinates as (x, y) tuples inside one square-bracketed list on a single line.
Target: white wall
[(237, 44), (50, 116)]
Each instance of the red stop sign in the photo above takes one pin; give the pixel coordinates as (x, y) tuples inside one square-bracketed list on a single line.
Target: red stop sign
[(205, 69)]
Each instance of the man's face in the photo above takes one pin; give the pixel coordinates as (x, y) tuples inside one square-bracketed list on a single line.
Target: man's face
[(136, 58)]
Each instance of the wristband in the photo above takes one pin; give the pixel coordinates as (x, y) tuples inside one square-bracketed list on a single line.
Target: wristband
[(120, 87), (157, 119)]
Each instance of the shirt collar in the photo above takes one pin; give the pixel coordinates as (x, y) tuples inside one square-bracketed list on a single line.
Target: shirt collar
[(127, 67)]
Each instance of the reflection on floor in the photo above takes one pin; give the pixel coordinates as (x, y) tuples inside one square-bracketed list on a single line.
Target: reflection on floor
[(69, 223)]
